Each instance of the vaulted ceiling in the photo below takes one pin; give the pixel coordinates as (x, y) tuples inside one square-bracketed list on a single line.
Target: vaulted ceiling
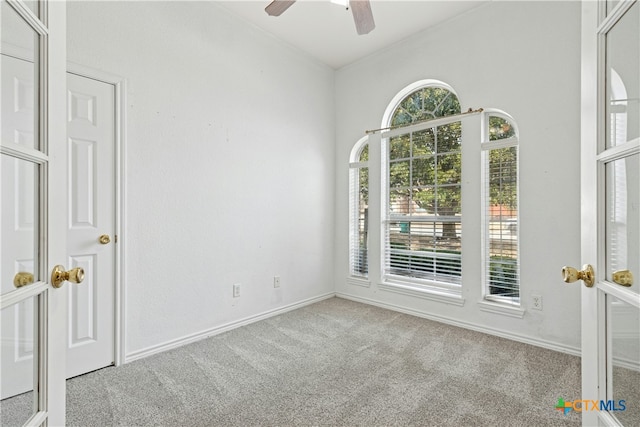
[(326, 31)]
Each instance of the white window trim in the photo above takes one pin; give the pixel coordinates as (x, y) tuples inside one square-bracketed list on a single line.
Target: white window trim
[(406, 91), (495, 307), (493, 303), (498, 113), (356, 151), (359, 281), (442, 291), (448, 293), (430, 293), (354, 185)]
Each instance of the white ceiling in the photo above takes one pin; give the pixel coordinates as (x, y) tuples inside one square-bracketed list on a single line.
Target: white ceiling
[(326, 31)]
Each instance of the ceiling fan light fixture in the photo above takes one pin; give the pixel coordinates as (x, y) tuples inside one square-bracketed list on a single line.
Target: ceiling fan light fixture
[(360, 9), (277, 7), (362, 16)]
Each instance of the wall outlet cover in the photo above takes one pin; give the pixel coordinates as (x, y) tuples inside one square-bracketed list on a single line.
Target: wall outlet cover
[(536, 302)]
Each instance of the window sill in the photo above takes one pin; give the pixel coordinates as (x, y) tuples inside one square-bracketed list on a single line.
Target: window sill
[(439, 295), (357, 281), (497, 308)]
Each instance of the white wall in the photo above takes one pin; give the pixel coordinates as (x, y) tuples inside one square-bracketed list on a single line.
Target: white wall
[(229, 164), (520, 57), (233, 175)]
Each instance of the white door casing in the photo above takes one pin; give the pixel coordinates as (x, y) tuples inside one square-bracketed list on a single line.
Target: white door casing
[(610, 193)]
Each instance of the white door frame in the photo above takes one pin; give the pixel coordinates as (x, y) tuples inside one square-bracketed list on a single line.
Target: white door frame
[(120, 133), (596, 345)]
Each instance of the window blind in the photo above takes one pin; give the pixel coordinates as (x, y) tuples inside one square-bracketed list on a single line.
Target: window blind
[(358, 217), (423, 212), (501, 226)]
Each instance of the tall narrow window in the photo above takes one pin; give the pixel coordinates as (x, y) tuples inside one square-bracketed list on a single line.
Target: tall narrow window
[(500, 209), (359, 210), (422, 217)]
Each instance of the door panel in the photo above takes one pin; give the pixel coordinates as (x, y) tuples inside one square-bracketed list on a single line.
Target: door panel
[(33, 164), (611, 210), (91, 133)]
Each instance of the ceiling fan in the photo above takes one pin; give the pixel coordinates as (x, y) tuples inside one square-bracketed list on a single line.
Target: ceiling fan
[(361, 10)]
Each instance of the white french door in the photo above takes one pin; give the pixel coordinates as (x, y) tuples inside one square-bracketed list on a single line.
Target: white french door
[(33, 195), (610, 213)]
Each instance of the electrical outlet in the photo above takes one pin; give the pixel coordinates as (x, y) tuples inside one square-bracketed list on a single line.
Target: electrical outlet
[(236, 290), (536, 302), (276, 281)]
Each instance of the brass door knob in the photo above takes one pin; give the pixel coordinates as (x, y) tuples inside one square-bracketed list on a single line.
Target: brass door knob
[(570, 275), (623, 277), (22, 279), (104, 239), (58, 275)]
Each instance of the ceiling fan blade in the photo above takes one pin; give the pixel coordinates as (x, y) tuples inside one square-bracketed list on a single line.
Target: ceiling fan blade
[(362, 16), (277, 7)]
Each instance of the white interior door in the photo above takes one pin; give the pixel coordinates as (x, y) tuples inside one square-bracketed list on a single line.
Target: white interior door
[(91, 219), (32, 224), (611, 213), (91, 222)]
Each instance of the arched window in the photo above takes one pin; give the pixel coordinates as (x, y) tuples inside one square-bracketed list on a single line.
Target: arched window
[(424, 104), (501, 275), (422, 185), (359, 209), (422, 157)]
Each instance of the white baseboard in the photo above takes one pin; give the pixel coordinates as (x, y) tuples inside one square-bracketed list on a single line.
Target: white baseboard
[(179, 342), (188, 339), (467, 325)]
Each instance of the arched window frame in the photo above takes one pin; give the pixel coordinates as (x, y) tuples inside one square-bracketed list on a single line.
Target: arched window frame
[(358, 212), (408, 90), (500, 223), (409, 264), (477, 144)]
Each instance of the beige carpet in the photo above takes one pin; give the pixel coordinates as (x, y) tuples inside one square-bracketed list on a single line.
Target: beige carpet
[(336, 362)]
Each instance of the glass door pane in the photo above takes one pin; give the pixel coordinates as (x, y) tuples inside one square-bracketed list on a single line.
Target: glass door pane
[(623, 220), (620, 220), (18, 362), (19, 224), (34, 5), (623, 80), (19, 269), (21, 288), (611, 4), (19, 78), (624, 330)]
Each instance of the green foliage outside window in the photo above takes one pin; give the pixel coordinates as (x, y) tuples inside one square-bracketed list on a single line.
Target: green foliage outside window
[(424, 104), (426, 166), (424, 179)]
